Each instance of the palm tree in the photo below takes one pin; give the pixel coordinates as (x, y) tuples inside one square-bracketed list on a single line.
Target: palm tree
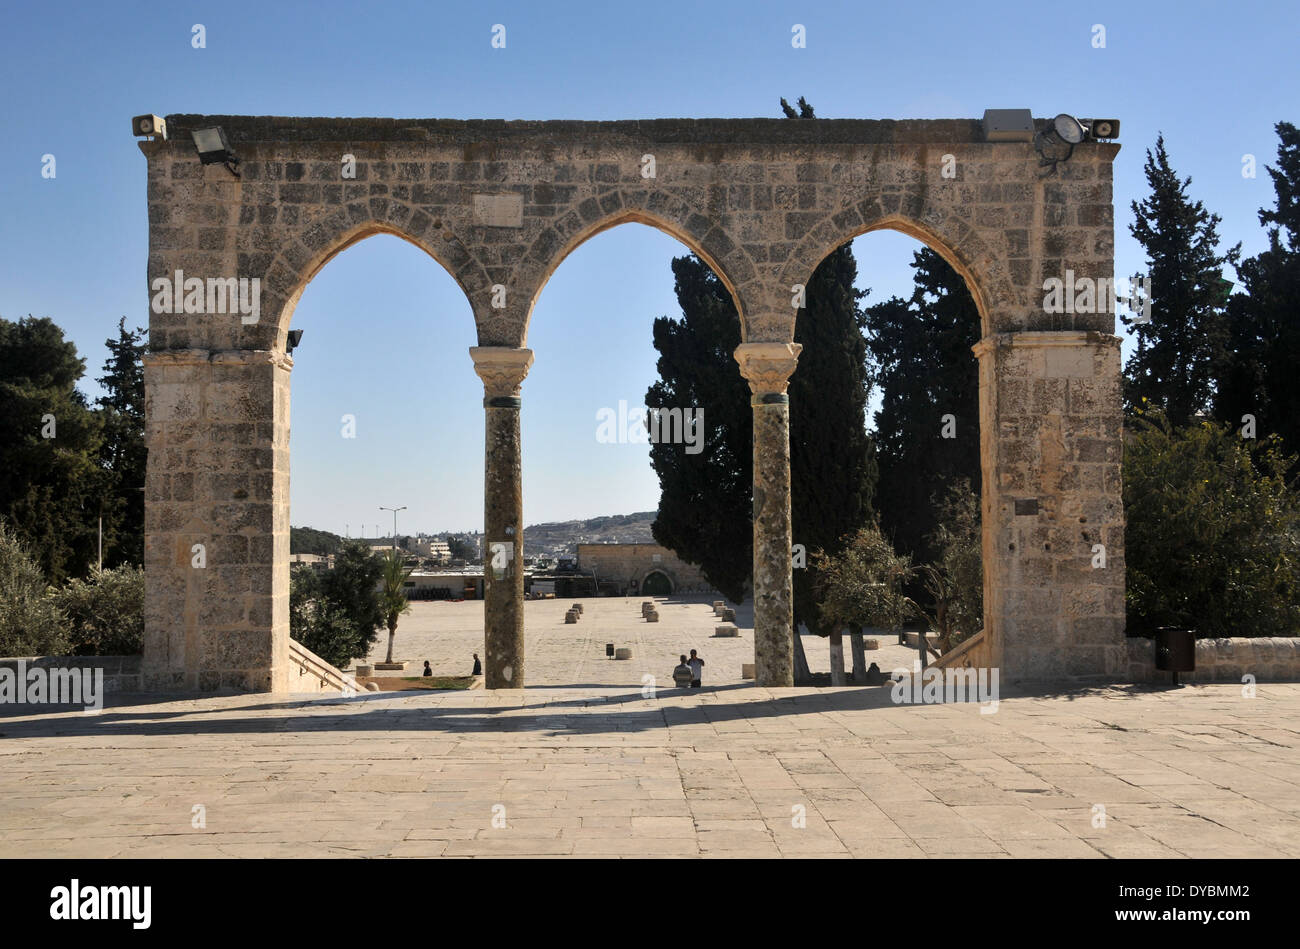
[(392, 598)]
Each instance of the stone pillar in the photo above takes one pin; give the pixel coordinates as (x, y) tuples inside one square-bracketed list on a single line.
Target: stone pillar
[(502, 370), (216, 521), (767, 367), (1053, 519)]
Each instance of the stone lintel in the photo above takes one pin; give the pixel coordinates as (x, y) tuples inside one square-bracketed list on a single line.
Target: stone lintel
[(768, 366), (502, 369)]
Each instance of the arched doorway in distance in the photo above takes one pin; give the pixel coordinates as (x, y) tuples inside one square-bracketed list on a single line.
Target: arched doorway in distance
[(656, 583)]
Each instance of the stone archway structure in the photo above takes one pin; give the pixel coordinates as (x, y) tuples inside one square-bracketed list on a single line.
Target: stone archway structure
[(500, 205)]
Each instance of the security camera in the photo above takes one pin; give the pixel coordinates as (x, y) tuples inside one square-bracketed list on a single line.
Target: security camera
[(149, 125), (1103, 128)]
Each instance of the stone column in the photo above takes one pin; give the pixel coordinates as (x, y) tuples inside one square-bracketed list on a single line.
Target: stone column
[(216, 520), (1053, 519), (502, 370), (767, 367)]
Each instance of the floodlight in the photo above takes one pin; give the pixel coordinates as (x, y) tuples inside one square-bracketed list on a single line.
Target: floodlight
[(1068, 129), (214, 148)]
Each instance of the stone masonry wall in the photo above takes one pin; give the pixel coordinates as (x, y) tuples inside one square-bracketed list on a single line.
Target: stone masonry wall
[(500, 205)]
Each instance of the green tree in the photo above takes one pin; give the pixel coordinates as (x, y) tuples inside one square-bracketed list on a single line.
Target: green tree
[(122, 453), (392, 597), (339, 609), (51, 482), (706, 507), (31, 623), (954, 583), (317, 623), (105, 612), (1173, 365), (1212, 540), (861, 586), (1257, 374), (922, 361), (832, 462)]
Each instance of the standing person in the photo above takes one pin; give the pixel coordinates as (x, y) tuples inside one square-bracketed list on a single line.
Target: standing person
[(697, 669), (478, 666), (427, 671)]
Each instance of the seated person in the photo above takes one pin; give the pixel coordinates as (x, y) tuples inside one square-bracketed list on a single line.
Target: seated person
[(682, 675), (427, 671)]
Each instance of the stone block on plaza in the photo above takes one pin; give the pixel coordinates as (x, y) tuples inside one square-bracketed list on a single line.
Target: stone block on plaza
[(391, 666), (726, 629), (747, 670), (623, 652), (652, 616), (728, 615), (577, 608), (871, 644), (718, 605), (571, 616), (364, 670)]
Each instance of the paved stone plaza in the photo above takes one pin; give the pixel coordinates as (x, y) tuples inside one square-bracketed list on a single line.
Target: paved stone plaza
[(599, 770), (566, 655)]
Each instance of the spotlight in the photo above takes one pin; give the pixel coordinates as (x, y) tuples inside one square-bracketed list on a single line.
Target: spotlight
[(1068, 129), (1056, 143), (295, 337), (149, 125), (214, 148)]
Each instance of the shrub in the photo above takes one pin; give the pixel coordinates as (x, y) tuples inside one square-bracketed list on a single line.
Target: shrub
[(105, 612), (1213, 535), (31, 623)]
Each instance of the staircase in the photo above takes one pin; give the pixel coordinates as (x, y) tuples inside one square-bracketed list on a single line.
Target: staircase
[(309, 673)]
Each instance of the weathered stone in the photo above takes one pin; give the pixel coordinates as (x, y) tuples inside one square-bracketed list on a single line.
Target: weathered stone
[(764, 203)]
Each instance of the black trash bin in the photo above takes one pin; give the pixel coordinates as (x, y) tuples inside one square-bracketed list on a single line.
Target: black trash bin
[(1175, 650)]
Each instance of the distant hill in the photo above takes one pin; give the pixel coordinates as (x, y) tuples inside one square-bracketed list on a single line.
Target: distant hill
[(560, 538), (308, 540), (556, 538)]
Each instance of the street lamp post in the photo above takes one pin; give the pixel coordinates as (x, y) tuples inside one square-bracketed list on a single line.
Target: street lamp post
[(394, 510)]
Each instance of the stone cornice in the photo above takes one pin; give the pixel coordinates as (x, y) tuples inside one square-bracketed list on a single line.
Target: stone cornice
[(768, 366), (217, 357), (1043, 338)]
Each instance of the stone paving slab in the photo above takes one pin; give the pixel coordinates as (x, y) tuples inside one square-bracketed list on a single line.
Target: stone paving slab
[(732, 771)]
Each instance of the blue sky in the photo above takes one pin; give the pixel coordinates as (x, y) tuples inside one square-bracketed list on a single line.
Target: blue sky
[(386, 328)]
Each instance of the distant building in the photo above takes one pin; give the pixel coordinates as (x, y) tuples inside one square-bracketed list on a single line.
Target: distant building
[(315, 561), (640, 569), (445, 585)]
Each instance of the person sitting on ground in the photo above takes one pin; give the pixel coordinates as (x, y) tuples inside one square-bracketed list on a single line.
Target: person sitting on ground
[(683, 675), (427, 671)]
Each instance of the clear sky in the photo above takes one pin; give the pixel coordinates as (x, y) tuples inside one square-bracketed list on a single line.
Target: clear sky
[(386, 328)]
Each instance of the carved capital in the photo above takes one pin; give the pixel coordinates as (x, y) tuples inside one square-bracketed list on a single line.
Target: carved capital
[(501, 368), (768, 366)]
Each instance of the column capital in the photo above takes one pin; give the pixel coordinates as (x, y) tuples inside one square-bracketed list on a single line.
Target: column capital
[(502, 369), (768, 366)]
